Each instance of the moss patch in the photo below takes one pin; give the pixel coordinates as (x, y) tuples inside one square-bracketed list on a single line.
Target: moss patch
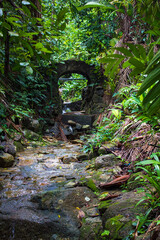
[(114, 225)]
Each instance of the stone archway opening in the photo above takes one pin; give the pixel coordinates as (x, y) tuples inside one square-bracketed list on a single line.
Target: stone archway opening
[(71, 87), (92, 94)]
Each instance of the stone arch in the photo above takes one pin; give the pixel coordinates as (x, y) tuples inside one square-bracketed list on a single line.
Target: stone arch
[(90, 72)]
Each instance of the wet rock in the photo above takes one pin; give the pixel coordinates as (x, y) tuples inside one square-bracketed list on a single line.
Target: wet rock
[(82, 157), (70, 198), (68, 130), (31, 135), (27, 220), (32, 124), (120, 214), (35, 125), (104, 177), (116, 170), (6, 160), (92, 212), (9, 147), (77, 198), (102, 151), (88, 181), (91, 229), (118, 226), (77, 165), (69, 159), (71, 185), (106, 148), (72, 123), (19, 146), (108, 160), (141, 237), (78, 126)]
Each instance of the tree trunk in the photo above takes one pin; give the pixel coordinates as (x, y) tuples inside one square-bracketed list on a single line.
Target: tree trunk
[(37, 12), (6, 65)]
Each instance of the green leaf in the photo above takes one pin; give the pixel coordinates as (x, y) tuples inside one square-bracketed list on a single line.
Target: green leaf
[(12, 19), (154, 60), (146, 162), (125, 51), (116, 113), (135, 72), (106, 60), (152, 94), (1, 34), (24, 64), (134, 49), (115, 68), (26, 10), (155, 107), (105, 233), (150, 80), (6, 25), (13, 34), (142, 51), (39, 45), (96, 4), (61, 15), (137, 63), (45, 50), (116, 56), (126, 64), (29, 70)]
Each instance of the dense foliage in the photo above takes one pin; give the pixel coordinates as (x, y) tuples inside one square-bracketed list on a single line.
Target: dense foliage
[(122, 36)]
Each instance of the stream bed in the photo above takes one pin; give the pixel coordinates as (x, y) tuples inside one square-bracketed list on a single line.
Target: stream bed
[(53, 193), (40, 197)]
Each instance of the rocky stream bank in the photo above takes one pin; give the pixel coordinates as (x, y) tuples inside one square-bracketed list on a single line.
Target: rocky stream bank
[(54, 191)]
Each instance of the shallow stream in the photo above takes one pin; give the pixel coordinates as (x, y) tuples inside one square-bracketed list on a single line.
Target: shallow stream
[(24, 214)]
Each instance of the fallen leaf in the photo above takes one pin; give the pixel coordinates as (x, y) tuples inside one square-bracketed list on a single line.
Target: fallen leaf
[(116, 182), (80, 215)]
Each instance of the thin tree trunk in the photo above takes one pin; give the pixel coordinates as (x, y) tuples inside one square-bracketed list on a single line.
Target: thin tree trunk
[(6, 65)]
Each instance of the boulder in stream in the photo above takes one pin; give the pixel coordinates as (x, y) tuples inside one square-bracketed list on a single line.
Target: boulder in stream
[(108, 160), (6, 160), (8, 147)]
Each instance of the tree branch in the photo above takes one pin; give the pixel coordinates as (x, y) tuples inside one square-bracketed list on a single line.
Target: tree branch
[(17, 7)]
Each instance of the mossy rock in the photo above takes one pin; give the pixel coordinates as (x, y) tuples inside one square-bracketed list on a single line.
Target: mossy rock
[(124, 206), (108, 160), (89, 183), (104, 204), (91, 229), (6, 160), (118, 226), (31, 135), (19, 146)]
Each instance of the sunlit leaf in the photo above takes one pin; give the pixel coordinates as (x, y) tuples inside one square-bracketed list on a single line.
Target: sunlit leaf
[(96, 4), (24, 64), (25, 3), (1, 12), (13, 34), (29, 70)]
